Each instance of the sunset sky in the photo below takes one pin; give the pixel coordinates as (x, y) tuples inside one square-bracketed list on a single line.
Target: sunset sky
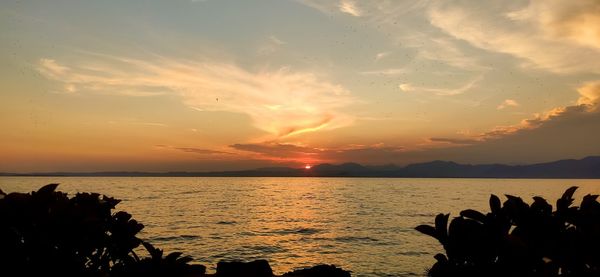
[(220, 85)]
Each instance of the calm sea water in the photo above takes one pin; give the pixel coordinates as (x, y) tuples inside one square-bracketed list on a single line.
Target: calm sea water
[(361, 224)]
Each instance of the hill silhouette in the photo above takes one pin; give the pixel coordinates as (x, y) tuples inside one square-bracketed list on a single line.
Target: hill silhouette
[(586, 168)]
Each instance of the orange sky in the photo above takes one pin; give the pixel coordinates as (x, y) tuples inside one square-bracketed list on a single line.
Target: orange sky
[(207, 85)]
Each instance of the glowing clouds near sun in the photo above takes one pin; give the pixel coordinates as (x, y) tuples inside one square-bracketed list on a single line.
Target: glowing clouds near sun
[(281, 102), (589, 94)]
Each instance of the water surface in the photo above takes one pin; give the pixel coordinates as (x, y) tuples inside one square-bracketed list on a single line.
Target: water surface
[(361, 224)]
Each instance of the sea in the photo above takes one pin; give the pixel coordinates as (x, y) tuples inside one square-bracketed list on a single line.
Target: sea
[(365, 225)]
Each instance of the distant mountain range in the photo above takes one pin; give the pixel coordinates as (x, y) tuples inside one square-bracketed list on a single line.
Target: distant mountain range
[(588, 167)]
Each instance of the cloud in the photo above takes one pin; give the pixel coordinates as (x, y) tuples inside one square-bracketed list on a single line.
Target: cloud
[(507, 103), (276, 150), (562, 132), (557, 36), (201, 151), (349, 7), (381, 55), (301, 154), (280, 102), (406, 25), (407, 87), (194, 150), (276, 40), (445, 50), (271, 45), (51, 68), (387, 72), (589, 94), (455, 140), (578, 21)]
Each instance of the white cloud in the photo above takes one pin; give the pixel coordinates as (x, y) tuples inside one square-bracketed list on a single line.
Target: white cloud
[(507, 103), (381, 55), (271, 45), (303, 101), (407, 87), (349, 7), (536, 34), (50, 68), (276, 40)]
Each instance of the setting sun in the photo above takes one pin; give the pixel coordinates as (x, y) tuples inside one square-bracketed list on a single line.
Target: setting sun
[(307, 166)]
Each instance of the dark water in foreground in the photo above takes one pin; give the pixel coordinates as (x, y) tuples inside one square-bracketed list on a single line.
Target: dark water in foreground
[(361, 224)]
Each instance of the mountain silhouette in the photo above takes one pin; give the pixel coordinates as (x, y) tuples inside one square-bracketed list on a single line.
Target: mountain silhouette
[(588, 167)]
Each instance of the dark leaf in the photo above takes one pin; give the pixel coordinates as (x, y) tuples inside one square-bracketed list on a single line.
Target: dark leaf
[(495, 204), (47, 189), (473, 214), (156, 253), (541, 206), (185, 260), (589, 201), (441, 226), (569, 193), (566, 200), (427, 230), (172, 257), (441, 258)]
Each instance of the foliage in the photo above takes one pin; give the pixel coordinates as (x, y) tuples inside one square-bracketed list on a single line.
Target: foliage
[(518, 239), (48, 233)]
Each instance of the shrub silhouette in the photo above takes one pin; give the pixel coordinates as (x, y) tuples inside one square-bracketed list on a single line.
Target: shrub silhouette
[(47, 233), (517, 239)]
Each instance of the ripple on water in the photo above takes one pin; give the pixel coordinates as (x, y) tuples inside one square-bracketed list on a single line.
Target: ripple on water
[(226, 222), (353, 239), (174, 238), (300, 231)]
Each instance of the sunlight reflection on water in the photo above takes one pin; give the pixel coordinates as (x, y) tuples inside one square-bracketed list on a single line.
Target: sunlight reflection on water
[(361, 224)]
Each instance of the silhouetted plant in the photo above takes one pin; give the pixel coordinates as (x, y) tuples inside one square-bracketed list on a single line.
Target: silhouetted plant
[(517, 239), (47, 233)]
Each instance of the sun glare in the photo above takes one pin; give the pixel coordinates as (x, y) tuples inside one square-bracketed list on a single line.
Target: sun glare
[(307, 166)]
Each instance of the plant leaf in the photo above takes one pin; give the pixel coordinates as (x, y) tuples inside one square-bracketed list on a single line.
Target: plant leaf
[(47, 189), (473, 214), (427, 230)]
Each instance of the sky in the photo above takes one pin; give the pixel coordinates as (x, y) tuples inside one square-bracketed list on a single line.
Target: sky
[(200, 85)]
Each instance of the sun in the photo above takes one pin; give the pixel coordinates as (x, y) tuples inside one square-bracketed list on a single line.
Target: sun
[(308, 166)]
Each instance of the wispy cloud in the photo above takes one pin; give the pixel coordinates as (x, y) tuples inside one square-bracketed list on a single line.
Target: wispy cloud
[(381, 55), (589, 94), (276, 40), (349, 7), (387, 72), (376, 153), (407, 87), (281, 102), (271, 45), (195, 150), (459, 141), (201, 151), (565, 30), (136, 122), (507, 103)]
